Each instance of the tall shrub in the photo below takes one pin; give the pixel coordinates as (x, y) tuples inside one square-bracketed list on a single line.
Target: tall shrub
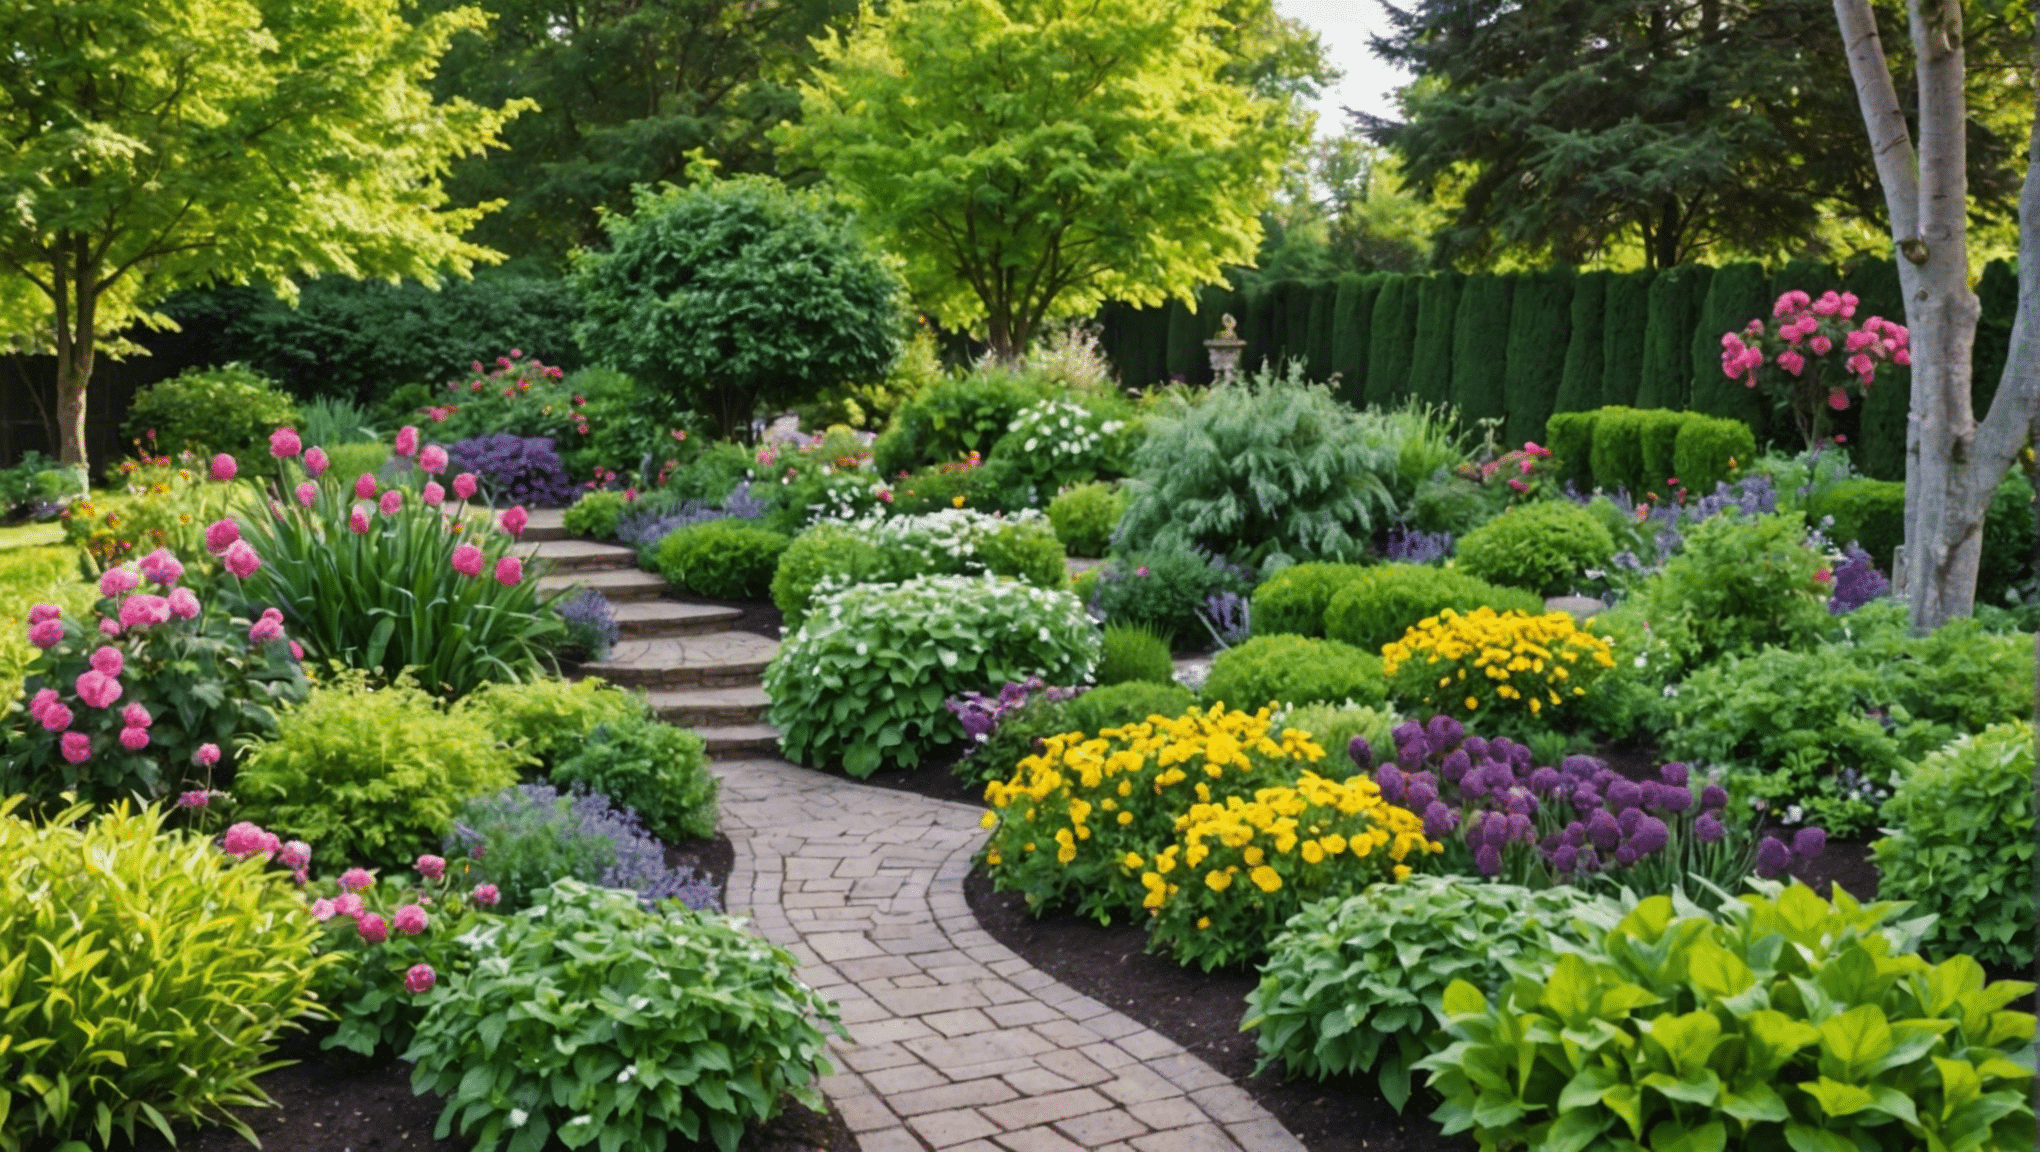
[(1540, 320), (1579, 384), (1734, 295), (1480, 344), (1352, 316), (1626, 318), (1391, 341), (1880, 438), (1570, 436), (1674, 308), (1431, 347), (1324, 301)]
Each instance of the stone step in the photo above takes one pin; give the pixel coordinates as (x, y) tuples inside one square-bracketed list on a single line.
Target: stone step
[(644, 619), (583, 555), (739, 742), (717, 660), (620, 585), (708, 707), (547, 524)]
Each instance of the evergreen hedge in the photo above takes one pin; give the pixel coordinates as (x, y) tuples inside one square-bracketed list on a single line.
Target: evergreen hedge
[(1540, 329), (1879, 422), (1675, 298), (1736, 295), (1431, 348), (1480, 348), (1998, 293), (1392, 344), (1352, 330), (1622, 328), (1579, 383), (1324, 301)]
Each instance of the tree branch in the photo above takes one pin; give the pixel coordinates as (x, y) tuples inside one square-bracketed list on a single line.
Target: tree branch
[(1884, 119), (2016, 409)]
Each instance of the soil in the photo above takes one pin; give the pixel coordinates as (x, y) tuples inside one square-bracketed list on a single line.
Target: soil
[(759, 618)]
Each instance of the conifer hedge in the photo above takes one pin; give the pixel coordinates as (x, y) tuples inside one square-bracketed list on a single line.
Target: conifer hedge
[(1540, 327), (1431, 348), (1392, 345), (1622, 329), (1352, 332), (1579, 384), (1737, 294), (1675, 298), (1480, 348)]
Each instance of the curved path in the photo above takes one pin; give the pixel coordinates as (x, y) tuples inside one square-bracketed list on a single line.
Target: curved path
[(957, 1043)]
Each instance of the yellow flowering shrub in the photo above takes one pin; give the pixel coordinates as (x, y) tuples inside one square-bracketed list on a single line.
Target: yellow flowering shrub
[(1515, 672), (1077, 823), (1238, 869)]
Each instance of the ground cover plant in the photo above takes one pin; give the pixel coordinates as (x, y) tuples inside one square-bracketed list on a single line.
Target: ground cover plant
[(887, 549), (522, 839)]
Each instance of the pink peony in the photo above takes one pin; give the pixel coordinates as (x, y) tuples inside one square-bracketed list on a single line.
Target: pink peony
[(56, 717), (407, 440), (464, 485), (284, 444), (183, 604), (108, 626), (373, 927), (357, 880), (76, 746), (357, 521), (420, 978), (1792, 362), (206, 756), (269, 627), (162, 567), (432, 459), (1838, 400), (97, 689), (295, 855), (433, 495), (364, 486), (392, 502), (515, 520), (241, 560), (509, 571), (297, 651), (42, 701), (1821, 345), (134, 739), (307, 493), (118, 580), (467, 560), (42, 612), (47, 634), (1828, 305), (136, 716), (315, 462), (143, 610), (1902, 358), (223, 467), (486, 895), (220, 535), (323, 910), (347, 904), (410, 919), (431, 867), (245, 839)]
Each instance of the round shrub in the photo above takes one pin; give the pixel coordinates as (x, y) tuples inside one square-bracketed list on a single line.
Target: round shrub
[(863, 681), (594, 515), (1739, 584), (548, 717), (830, 551), (230, 409), (1515, 672), (153, 983), (1279, 670), (1333, 725), (1962, 845), (951, 542), (656, 769), (1169, 590), (1084, 517), (1132, 652), (1294, 600), (1542, 548), (1709, 449), (1380, 604), (722, 560), (1130, 702)]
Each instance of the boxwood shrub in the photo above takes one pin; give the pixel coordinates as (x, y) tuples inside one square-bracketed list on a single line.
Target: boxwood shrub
[(1295, 598), (1381, 603), (1542, 548), (722, 560), (1281, 670)]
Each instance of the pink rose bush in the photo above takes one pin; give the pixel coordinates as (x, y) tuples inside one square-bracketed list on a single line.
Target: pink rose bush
[(1794, 358)]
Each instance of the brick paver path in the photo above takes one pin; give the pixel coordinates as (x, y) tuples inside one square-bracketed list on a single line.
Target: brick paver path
[(957, 1043)]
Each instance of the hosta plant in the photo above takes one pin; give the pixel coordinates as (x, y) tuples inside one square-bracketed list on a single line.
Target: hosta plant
[(952, 542)]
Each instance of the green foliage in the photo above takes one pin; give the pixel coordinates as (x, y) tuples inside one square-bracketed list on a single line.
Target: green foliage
[(1737, 294), (2008, 547), (226, 409), (355, 459), (331, 420), (31, 576), (1540, 319), (1352, 311), (958, 416), (1579, 382), (1623, 329), (885, 550), (686, 1026), (1333, 726), (1570, 436), (1660, 445), (1133, 652), (1704, 449), (1281, 670), (1295, 598), (657, 769), (863, 680), (1617, 453), (371, 774), (1740, 584), (594, 515), (1380, 604), (711, 475), (1356, 984), (829, 554), (1787, 1022), (1542, 547), (1869, 512), (1128, 702), (1167, 590), (547, 717), (737, 293), (1391, 341), (1480, 342), (147, 989), (1675, 298), (1431, 347), (722, 559), (1272, 466), (1962, 845), (1085, 516), (1063, 441)]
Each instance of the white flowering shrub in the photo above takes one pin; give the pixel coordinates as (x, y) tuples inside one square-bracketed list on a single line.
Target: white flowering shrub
[(881, 550), (1056, 443)]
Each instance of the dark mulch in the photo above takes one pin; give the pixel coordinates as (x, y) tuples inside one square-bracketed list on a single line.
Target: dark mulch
[(934, 779), (759, 617)]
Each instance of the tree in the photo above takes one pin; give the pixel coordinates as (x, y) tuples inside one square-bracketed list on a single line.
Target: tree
[(1953, 462), (737, 293), (160, 144), (1031, 159)]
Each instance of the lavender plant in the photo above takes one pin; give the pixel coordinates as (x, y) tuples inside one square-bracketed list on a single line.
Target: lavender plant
[(1228, 616), (652, 518), (1856, 582), (1407, 545), (524, 838), (516, 469), (591, 624)]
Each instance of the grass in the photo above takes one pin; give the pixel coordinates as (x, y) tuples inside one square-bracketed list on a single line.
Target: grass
[(31, 535), (29, 574)]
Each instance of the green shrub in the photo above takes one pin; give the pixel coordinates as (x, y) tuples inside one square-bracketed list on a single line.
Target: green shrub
[(2008, 552), (522, 839), (1134, 652), (1709, 449), (1787, 1022), (883, 550), (722, 559), (829, 556), (146, 988), (594, 515), (862, 683), (350, 460), (1542, 548), (1570, 436), (1019, 731), (1660, 447), (547, 717), (210, 410), (1084, 518), (1381, 603), (330, 420), (1333, 727), (711, 475), (1617, 452), (684, 1024), (1868, 512), (655, 768), (371, 774), (970, 484), (1061, 441), (1166, 589), (1356, 984), (1962, 845), (960, 415), (1128, 702), (1294, 599), (1281, 670), (1738, 584)]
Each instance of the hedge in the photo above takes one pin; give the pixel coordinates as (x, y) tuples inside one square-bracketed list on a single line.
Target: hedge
[(1392, 346), (1480, 348), (1431, 351), (1540, 330), (1579, 384), (1674, 308), (1622, 331)]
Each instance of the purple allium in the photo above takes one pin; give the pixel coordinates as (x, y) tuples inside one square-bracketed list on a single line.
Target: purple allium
[(1489, 858), (1650, 835), (1626, 855), (1408, 546), (1419, 792), (1474, 747), (1628, 819), (1445, 732), (1473, 785), (1499, 748), (1575, 834), (1857, 582), (1772, 857), (1712, 797), (1809, 842), (1518, 802), (1564, 858), (1647, 793), (1602, 829), (1520, 756), (1674, 774), (1585, 799), (1520, 829), (1708, 830), (1675, 799), (1409, 732), (1390, 779), (1439, 820), (1544, 780), (1581, 767), (1361, 755), (516, 469), (1624, 794), (1455, 765)]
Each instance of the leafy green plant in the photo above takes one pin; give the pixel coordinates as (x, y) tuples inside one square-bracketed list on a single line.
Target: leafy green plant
[(657, 769), (1381, 603), (147, 989), (1085, 516), (958, 416), (1294, 600), (1017, 734), (952, 542), (1739, 584), (1357, 985), (368, 773), (1285, 669), (332, 420), (594, 515), (712, 474), (722, 559), (1165, 589), (1333, 725), (1067, 439), (1130, 702), (1709, 450), (548, 718), (1962, 845), (1783, 1022), (227, 409), (1542, 548), (684, 1025), (1132, 652), (863, 681)]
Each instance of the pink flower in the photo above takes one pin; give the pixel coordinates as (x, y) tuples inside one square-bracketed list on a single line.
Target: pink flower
[(467, 560), (486, 895), (515, 520), (56, 717), (373, 927), (464, 485), (509, 571), (183, 604), (357, 521), (134, 739), (118, 580), (1838, 400), (197, 798), (41, 612), (517, 353), (323, 910), (1141, 571), (1821, 344), (284, 443), (1824, 576), (162, 567), (108, 626), (1862, 365), (136, 716), (143, 610), (1518, 485), (220, 535), (41, 702), (315, 462), (297, 651), (392, 502), (431, 867), (347, 904), (364, 486), (357, 880), (245, 839), (1788, 302), (307, 493), (270, 627), (223, 467), (48, 634), (407, 440), (420, 978), (76, 746), (97, 689), (296, 855), (1792, 362), (432, 459), (1902, 358), (1828, 305), (206, 756), (410, 919), (241, 560), (433, 495)]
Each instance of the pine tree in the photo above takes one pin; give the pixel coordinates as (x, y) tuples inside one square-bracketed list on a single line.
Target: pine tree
[(1675, 298), (1579, 389), (1540, 331)]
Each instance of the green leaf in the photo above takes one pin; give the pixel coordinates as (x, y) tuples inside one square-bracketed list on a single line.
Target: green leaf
[(1569, 991), (1463, 999), (1858, 1037), (1671, 1136), (1754, 1102), (1803, 1138), (1838, 1099), (1574, 1131)]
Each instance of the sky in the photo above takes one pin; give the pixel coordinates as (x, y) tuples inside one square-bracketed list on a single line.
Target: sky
[(1345, 26)]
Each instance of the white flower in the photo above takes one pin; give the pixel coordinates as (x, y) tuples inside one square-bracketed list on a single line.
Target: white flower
[(1794, 814), (518, 1116), (629, 1070)]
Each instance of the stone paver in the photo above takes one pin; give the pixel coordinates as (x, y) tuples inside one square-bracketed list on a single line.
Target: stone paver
[(956, 1043)]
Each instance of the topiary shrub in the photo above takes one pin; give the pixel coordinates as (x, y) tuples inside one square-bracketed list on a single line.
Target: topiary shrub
[(1084, 518), (722, 560), (1617, 452), (1869, 512), (1281, 670), (548, 717), (229, 409), (594, 515), (1294, 599), (1541, 548), (656, 769), (1709, 449), (1133, 652), (1660, 428), (1128, 702), (1570, 436), (1380, 604)]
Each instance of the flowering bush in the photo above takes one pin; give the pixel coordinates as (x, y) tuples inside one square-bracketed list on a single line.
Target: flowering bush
[(1236, 871), (657, 770), (1524, 474), (1076, 824), (522, 839), (520, 396), (155, 502), (515, 469), (1545, 548), (955, 542), (1515, 671), (650, 519), (1057, 442), (1795, 360), (1007, 728)]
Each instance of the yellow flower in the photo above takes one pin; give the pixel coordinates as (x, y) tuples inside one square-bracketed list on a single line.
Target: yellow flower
[(956, 501), (1133, 860), (1203, 922), (1265, 878), (1472, 704), (1401, 871), (990, 819), (1333, 844), (1125, 818), (1312, 853), (1218, 881), (1254, 857)]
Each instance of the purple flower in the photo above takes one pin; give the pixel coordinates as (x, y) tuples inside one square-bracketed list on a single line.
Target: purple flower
[(1475, 747), (516, 469), (1455, 766), (1713, 797), (1544, 780), (610, 843), (1409, 732), (1489, 858), (1439, 820), (1625, 856), (1575, 834), (1602, 829), (1564, 858), (1519, 828), (1582, 767), (1623, 795), (1650, 835), (1772, 857), (1519, 803), (1358, 751), (587, 614), (1857, 582), (1445, 732), (1809, 842), (1628, 819), (1390, 779), (1674, 774), (1708, 830), (1675, 799), (1520, 756), (1408, 546), (1419, 792), (1585, 799)]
